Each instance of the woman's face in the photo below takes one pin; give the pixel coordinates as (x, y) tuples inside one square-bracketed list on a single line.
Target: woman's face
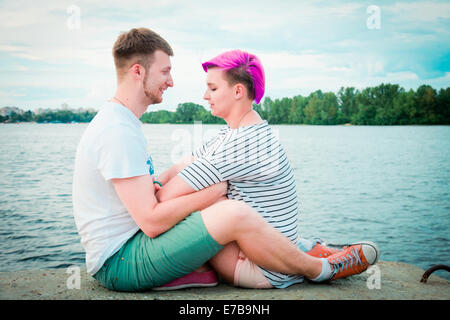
[(219, 93)]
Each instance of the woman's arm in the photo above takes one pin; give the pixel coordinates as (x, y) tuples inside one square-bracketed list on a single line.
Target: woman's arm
[(175, 188), (153, 217), (172, 185), (173, 170)]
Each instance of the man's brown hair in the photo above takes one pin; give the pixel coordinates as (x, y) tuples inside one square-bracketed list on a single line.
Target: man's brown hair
[(137, 46)]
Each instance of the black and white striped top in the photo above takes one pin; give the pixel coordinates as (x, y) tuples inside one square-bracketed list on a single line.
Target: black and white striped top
[(258, 172)]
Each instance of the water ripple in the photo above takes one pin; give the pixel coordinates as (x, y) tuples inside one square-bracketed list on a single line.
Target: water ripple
[(385, 184)]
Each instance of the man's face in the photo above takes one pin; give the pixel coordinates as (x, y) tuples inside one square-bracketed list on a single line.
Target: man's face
[(158, 77), (219, 93)]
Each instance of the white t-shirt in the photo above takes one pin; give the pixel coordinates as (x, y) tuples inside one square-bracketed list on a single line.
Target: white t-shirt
[(112, 146)]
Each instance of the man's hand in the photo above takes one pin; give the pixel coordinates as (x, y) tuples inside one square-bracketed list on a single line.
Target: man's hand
[(156, 185)]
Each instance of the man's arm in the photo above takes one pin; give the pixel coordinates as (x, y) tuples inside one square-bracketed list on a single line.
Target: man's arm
[(153, 218)]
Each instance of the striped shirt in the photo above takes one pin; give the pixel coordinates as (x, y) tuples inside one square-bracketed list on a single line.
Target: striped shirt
[(258, 172)]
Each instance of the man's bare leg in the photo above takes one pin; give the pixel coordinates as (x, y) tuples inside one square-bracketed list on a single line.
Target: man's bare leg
[(231, 220)]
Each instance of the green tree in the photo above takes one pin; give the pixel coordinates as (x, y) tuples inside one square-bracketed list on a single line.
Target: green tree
[(297, 110), (443, 106), (258, 108), (186, 112), (365, 116), (426, 103), (329, 108), (383, 99), (347, 104), (279, 111), (313, 111), (160, 116), (267, 107), (28, 116), (322, 108), (403, 105), (385, 104)]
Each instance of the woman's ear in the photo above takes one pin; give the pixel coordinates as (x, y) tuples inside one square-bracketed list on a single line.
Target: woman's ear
[(239, 91)]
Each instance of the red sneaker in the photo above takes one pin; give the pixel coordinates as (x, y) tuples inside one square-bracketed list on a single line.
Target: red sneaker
[(191, 280), (353, 260), (321, 251)]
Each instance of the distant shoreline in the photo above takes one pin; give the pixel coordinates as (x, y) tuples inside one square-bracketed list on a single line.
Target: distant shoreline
[(276, 124), (385, 104)]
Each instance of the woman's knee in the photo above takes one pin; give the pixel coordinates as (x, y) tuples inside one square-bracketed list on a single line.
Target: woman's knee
[(241, 211), (225, 218), (231, 210)]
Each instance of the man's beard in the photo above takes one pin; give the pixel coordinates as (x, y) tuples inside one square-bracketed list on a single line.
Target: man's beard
[(153, 99)]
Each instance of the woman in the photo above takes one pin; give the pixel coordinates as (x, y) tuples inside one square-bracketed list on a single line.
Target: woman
[(248, 155)]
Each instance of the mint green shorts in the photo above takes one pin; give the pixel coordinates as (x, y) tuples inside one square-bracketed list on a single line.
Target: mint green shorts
[(143, 262)]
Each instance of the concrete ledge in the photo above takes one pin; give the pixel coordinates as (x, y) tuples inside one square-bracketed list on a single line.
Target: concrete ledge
[(398, 281)]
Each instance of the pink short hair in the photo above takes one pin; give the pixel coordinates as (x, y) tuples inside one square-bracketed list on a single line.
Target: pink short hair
[(241, 66)]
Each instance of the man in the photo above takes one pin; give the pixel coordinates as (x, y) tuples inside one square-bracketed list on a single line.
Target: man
[(132, 241)]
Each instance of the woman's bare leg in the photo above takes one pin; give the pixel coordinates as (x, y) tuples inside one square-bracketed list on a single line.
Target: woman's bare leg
[(224, 263), (231, 220)]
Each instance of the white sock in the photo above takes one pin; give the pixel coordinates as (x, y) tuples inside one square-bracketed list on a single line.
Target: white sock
[(304, 244), (326, 271)]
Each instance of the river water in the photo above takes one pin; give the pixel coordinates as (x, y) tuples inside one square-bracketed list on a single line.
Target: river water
[(387, 184)]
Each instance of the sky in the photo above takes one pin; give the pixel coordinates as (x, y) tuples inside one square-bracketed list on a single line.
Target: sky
[(60, 52)]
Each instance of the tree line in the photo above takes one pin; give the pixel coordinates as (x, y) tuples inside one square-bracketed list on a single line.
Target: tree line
[(54, 116), (385, 104)]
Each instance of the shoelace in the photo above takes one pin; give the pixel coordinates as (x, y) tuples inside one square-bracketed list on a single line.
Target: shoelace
[(344, 261), (317, 240)]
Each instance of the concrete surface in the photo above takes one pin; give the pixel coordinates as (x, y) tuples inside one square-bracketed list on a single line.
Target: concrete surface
[(389, 280)]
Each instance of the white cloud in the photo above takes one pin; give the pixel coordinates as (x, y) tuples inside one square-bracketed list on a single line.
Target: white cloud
[(16, 14), (439, 82), (424, 11), (303, 45), (414, 38), (401, 76), (282, 60), (334, 82)]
